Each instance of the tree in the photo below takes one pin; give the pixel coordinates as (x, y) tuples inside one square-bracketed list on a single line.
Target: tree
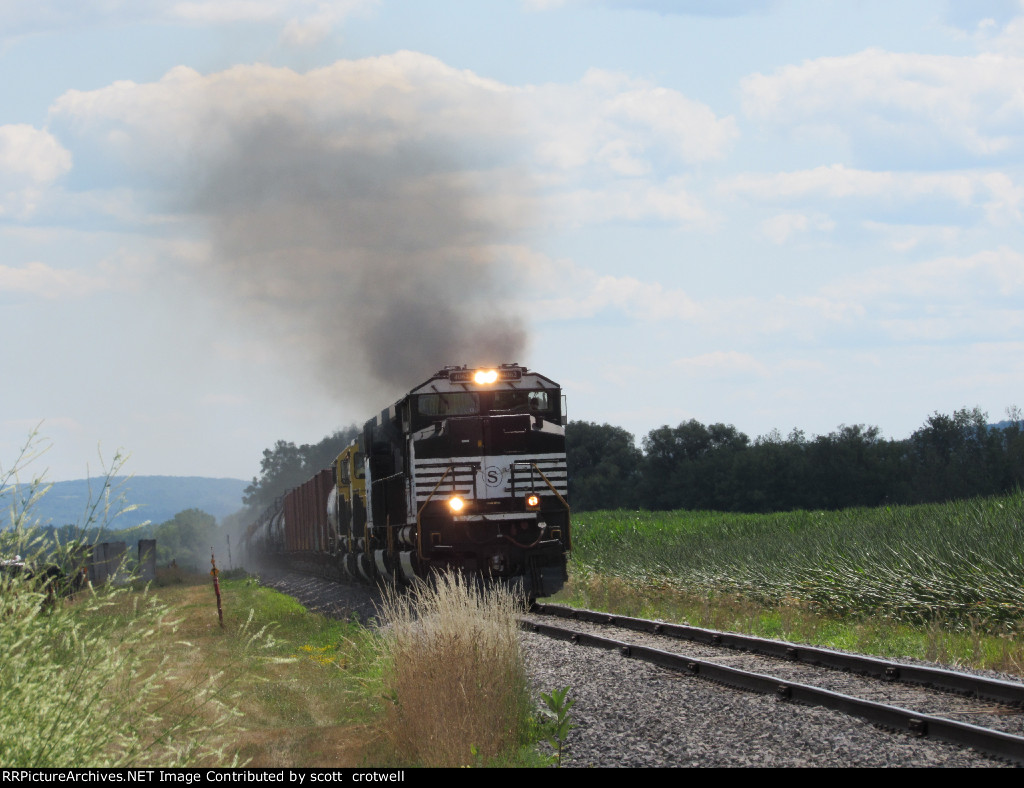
[(287, 466), (604, 466), (691, 466), (187, 539)]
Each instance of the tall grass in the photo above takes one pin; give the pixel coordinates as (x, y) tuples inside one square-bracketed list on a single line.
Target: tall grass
[(456, 682), (960, 563), (86, 684)]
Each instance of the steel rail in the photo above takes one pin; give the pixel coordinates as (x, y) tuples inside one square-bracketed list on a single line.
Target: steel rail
[(996, 690), (997, 743)]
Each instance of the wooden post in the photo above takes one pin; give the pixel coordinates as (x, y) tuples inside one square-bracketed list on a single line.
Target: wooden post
[(216, 587)]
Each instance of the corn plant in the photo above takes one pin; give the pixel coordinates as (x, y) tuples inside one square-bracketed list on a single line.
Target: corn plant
[(960, 563)]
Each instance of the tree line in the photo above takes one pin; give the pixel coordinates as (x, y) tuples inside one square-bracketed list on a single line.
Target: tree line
[(716, 467)]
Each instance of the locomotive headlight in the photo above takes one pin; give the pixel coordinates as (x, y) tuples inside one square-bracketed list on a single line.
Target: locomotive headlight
[(456, 504), (532, 501), (485, 376)]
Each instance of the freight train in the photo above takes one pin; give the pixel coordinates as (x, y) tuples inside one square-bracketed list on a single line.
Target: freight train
[(466, 473)]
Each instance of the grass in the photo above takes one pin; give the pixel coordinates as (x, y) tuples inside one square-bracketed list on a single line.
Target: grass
[(442, 684), (455, 682), (146, 676), (104, 682), (305, 697)]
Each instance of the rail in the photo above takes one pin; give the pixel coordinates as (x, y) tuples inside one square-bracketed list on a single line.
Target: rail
[(997, 743)]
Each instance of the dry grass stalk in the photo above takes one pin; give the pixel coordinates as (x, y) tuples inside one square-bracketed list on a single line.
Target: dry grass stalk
[(455, 676)]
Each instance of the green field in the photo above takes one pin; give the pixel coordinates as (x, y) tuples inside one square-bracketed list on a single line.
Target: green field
[(949, 574)]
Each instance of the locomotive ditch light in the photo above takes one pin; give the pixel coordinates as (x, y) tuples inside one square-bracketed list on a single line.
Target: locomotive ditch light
[(485, 376), (532, 502), (456, 504)]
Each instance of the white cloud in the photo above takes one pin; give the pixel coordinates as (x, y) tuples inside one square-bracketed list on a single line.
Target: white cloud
[(918, 107), (980, 276), (585, 293), (634, 201), (623, 124), (41, 280), (781, 227), (994, 195), (30, 160), (18, 18), (606, 127), (906, 237)]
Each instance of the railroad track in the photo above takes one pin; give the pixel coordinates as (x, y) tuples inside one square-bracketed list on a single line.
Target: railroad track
[(963, 709)]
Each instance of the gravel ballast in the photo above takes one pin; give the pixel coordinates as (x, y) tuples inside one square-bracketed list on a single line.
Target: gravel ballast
[(632, 714)]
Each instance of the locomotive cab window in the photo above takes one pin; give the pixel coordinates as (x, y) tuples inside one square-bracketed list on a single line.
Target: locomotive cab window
[(519, 401), (454, 403)]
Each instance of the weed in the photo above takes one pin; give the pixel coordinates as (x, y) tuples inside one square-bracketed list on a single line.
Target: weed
[(558, 726)]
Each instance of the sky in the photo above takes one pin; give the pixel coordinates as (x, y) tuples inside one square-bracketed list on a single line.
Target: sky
[(224, 224)]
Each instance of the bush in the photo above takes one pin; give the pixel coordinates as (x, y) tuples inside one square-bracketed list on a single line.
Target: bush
[(454, 674)]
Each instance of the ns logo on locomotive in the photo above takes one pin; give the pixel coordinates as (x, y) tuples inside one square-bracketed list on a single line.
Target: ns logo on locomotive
[(466, 472)]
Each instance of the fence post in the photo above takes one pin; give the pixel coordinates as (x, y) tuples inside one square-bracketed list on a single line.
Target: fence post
[(216, 587)]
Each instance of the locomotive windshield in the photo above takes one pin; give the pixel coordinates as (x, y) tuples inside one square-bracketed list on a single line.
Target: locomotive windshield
[(430, 408), (455, 403)]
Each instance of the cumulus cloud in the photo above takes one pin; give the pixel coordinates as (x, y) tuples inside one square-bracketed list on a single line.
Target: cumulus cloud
[(899, 106), (964, 196), (369, 197), (632, 136), (30, 160), (622, 124), (344, 214)]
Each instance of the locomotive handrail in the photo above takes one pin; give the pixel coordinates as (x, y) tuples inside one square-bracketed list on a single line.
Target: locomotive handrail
[(387, 532), (419, 512), (551, 487)]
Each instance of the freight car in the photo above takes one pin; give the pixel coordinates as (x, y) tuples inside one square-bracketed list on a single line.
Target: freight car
[(466, 472)]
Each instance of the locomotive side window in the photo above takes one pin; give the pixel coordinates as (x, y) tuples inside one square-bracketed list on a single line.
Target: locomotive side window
[(455, 403), (521, 402)]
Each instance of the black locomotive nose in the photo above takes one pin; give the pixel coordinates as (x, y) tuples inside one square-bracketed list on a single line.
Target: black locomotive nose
[(466, 472)]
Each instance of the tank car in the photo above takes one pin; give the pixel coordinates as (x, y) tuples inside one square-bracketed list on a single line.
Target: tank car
[(466, 472)]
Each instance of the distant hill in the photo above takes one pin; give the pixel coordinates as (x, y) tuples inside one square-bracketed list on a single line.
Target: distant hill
[(159, 498)]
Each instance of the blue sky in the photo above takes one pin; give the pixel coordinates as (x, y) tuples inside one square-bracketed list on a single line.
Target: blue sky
[(228, 223)]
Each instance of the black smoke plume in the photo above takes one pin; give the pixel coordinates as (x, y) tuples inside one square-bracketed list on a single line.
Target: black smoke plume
[(367, 259)]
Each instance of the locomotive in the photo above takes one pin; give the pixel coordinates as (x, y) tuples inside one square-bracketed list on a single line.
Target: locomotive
[(465, 473)]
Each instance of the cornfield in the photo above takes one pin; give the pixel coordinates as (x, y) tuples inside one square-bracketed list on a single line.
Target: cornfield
[(959, 563)]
